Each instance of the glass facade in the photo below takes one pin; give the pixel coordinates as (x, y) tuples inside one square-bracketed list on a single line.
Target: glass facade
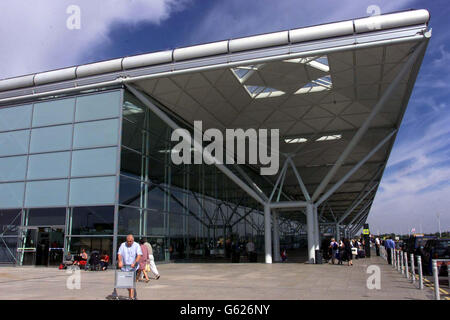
[(85, 171)]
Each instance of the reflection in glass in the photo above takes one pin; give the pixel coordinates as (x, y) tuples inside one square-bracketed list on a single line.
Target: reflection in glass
[(14, 118), (98, 106), (155, 223), (48, 165), (92, 191), (9, 221), (11, 195), (96, 134), (46, 193), (12, 168), (129, 220), (15, 142), (94, 162), (92, 220), (47, 217), (51, 139), (53, 112)]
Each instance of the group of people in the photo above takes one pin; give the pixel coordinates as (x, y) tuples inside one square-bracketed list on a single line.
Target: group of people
[(343, 250), (81, 259)]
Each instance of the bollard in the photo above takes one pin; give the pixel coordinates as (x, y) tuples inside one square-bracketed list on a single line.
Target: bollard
[(393, 258), (402, 263), (419, 266), (397, 257), (413, 270), (436, 281), (406, 265)]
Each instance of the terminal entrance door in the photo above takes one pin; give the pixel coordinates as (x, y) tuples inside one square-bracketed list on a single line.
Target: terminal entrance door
[(41, 246)]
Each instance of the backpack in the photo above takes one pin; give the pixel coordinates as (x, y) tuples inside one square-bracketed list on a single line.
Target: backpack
[(335, 246)]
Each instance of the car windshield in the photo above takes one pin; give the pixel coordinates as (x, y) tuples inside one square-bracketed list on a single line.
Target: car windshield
[(442, 244)]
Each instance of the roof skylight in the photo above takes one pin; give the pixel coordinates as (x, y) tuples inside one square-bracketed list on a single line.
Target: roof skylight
[(258, 92), (321, 84), (295, 140), (329, 138)]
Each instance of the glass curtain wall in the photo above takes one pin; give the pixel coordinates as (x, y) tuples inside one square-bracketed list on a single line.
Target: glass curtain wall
[(58, 170), (186, 211)]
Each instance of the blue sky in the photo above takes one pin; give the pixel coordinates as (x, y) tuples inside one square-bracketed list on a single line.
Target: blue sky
[(416, 183)]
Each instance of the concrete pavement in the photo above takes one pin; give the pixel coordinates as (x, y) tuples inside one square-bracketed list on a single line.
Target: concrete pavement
[(211, 281)]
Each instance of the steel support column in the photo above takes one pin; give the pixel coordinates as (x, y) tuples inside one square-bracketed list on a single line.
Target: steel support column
[(310, 231), (338, 232), (267, 234), (276, 237), (316, 229)]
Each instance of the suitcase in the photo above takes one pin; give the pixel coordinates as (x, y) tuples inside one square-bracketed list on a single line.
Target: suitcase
[(361, 254)]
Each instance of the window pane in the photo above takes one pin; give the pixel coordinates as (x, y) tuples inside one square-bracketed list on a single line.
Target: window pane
[(49, 165), (8, 250), (47, 217), (176, 222), (156, 198), (98, 106), (11, 195), (12, 168), (9, 221), (92, 191), (155, 223), (94, 162), (14, 142), (129, 220), (51, 139), (15, 118), (131, 192), (96, 134), (46, 193), (53, 112), (100, 244), (93, 220)]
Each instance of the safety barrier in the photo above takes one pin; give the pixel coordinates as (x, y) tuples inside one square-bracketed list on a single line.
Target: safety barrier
[(406, 266)]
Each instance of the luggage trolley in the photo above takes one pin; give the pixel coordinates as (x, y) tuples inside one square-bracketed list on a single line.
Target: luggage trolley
[(124, 280)]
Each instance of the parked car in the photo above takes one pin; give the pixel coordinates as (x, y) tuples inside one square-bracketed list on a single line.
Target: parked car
[(416, 243), (435, 249)]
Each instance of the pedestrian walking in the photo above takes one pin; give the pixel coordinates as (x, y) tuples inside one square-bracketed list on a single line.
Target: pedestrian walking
[(334, 246), (348, 251), (151, 259), (377, 246), (390, 245), (341, 253), (143, 262), (129, 255)]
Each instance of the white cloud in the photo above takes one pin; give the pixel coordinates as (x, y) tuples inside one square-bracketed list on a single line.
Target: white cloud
[(236, 18), (35, 37), (412, 195)]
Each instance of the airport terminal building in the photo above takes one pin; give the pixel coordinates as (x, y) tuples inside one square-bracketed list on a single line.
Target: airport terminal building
[(85, 151)]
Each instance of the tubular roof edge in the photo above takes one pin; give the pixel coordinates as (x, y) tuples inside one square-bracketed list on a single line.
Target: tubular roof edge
[(350, 27)]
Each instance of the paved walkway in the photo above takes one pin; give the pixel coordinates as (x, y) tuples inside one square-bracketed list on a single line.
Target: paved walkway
[(251, 281)]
